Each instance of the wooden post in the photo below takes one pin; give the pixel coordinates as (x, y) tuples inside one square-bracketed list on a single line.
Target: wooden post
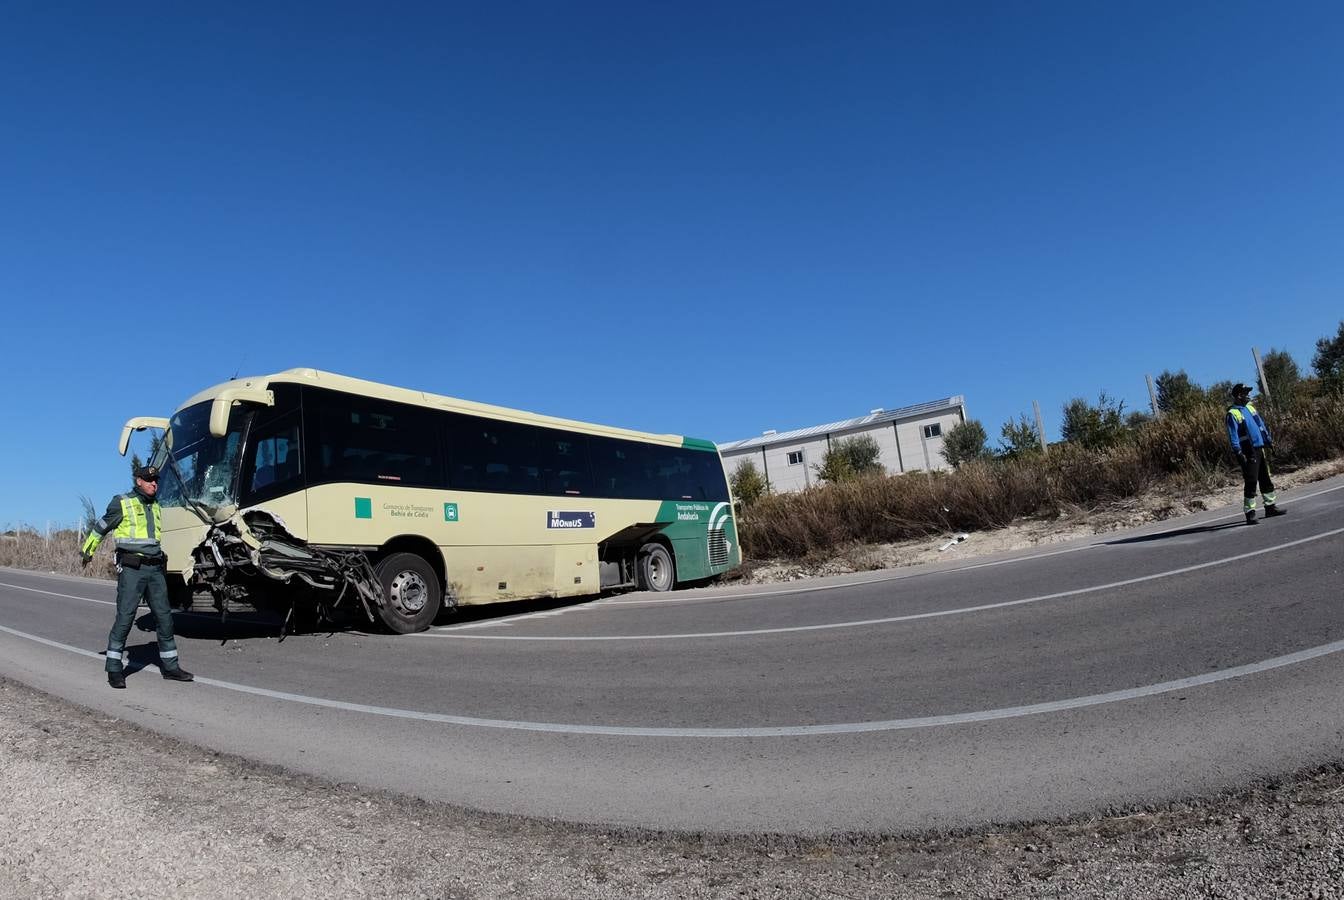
[(1260, 370), (1040, 428)]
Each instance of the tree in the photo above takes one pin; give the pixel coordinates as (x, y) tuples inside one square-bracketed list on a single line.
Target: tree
[(964, 442), (1329, 362), (1094, 427), (1176, 391), (1137, 419), (1019, 438), (1220, 392), (1281, 374), (748, 484), (850, 458)]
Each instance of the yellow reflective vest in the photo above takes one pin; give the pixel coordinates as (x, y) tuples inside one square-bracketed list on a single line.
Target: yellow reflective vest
[(134, 520)]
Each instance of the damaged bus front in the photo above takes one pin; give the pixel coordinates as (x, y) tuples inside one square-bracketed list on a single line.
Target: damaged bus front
[(209, 458)]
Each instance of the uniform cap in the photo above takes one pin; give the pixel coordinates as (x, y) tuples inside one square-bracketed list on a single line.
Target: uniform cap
[(147, 473), (1240, 388)]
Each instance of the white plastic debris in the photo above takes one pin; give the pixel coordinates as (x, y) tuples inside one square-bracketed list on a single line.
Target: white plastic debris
[(956, 539)]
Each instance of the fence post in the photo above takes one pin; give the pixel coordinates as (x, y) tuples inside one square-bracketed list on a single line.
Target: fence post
[(1260, 371), (1040, 427), (1152, 397)]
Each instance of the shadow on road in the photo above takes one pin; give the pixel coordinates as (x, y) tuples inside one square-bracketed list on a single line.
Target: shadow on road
[(1179, 532), (483, 611), (206, 625)]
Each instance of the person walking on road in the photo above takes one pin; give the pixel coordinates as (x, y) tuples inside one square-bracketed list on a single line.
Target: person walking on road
[(135, 520), (1250, 439)]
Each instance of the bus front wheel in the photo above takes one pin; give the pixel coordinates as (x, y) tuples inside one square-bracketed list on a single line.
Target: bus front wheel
[(655, 569), (411, 593)]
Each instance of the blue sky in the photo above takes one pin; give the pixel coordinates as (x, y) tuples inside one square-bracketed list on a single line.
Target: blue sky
[(709, 219)]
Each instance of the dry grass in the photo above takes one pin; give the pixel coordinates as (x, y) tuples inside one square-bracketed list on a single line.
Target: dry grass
[(1182, 452), (58, 552)]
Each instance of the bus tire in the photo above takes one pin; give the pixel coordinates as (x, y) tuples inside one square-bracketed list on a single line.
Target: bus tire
[(655, 569), (411, 593)]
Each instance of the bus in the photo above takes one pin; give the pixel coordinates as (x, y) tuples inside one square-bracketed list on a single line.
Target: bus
[(451, 502)]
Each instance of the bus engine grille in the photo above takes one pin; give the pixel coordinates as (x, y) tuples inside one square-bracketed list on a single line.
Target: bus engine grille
[(718, 547)]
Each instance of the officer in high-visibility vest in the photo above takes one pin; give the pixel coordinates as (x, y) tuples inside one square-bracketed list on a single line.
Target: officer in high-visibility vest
[(134, 519), (1250, 439)]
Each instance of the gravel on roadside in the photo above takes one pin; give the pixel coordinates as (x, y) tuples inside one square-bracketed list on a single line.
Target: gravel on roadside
[(98, 807)]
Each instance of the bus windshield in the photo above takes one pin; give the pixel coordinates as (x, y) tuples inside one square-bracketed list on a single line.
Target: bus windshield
[(205, 468)]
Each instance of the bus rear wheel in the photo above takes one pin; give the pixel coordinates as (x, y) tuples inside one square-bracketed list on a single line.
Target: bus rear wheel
[(411, 593), (655, 569)]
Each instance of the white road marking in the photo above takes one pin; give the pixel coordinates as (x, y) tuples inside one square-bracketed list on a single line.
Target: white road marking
[(985, 715), (34, 590), (888, 619), (54, 594), (509, 620)]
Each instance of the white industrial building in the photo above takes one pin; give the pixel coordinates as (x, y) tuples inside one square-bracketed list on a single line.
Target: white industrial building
[(910, 439)]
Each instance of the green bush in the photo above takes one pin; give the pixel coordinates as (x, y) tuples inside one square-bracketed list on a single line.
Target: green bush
[(747, 483), (1019, 438), (1329, 362), (850, 458), (964, 442), (1176, 391), (1283, 377), (1095, 427)]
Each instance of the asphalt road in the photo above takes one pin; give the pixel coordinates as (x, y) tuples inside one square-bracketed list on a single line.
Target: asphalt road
[(1164, 662)]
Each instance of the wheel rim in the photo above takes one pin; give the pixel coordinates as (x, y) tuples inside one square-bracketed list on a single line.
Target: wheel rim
[(660, 571), (408, 592)]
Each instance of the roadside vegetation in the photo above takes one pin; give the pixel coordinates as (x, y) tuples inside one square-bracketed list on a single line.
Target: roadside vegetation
[(1107, 454), (57, 549)]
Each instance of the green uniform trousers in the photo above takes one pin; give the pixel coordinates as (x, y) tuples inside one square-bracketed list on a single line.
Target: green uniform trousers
[(132, 584)]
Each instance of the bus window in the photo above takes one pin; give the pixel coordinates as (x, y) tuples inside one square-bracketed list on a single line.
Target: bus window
[(563, 459), (272, 464), (363, 439), (623, 469), (490, 455)]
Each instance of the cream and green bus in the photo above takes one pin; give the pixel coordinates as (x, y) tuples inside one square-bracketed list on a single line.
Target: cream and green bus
[(451, 501)]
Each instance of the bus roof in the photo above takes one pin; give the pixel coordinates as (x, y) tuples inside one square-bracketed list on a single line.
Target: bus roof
[(350, 385)]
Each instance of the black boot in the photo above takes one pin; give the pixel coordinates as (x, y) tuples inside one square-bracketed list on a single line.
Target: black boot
[(116, 680), (1272, 510), (1250, 517), (178, 675)]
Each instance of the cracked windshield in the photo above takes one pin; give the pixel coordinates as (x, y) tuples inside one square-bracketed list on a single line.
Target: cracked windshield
[(205, 465)]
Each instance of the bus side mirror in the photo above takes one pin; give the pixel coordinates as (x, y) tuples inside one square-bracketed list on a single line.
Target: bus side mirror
[(140, 423), (219, 409)]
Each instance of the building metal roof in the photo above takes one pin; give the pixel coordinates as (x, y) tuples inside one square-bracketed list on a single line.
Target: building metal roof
[(873, 418)]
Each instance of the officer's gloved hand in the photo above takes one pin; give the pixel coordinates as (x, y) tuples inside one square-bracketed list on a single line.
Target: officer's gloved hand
[(1241, 458), (1269, 445), (85, 558)]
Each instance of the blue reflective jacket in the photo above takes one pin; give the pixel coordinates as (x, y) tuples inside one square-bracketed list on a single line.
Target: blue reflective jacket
[(1246, 428)]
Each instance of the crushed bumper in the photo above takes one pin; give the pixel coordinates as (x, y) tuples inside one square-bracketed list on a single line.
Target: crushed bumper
[(255, 545)]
